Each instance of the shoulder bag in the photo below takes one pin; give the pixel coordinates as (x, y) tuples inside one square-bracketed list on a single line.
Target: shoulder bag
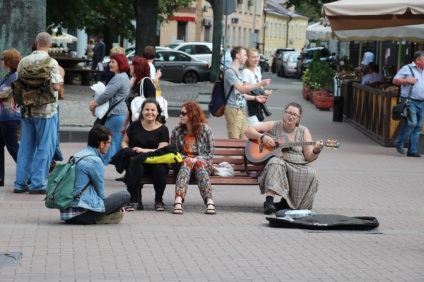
[(401, 109)]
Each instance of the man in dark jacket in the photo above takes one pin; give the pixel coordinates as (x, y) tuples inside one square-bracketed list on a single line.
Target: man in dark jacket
[(98, 56)]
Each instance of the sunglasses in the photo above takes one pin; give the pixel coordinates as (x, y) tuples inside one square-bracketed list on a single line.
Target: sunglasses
[(183, 113)]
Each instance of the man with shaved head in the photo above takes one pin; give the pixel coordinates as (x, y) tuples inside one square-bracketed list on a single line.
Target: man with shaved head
[(39, 126)]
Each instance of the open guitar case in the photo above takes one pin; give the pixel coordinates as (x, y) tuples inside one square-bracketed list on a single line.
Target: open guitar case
[(324, 222)]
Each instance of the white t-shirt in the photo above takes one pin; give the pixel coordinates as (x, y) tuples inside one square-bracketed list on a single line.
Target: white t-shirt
[(251, 78), (152, 71)]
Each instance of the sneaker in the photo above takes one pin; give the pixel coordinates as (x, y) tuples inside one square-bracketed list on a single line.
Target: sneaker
[(269, 208), (16, 190), (113, 218), (41, 191), (400, 150), (416, 155)]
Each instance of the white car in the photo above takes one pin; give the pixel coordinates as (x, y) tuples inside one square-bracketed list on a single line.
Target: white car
[(199, 50)]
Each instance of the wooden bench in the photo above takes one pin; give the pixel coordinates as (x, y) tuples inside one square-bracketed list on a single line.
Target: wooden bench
[(84, 74), (226, 150)]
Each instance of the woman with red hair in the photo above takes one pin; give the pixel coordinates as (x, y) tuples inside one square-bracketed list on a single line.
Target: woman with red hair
[(116, 91), (194, 140)]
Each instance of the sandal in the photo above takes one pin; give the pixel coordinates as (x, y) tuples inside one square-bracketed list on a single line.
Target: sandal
[(210, 210), (129, 207), (160, 206), (178, 210)]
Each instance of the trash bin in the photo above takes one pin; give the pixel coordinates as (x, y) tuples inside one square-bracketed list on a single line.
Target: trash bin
[(338, 108)]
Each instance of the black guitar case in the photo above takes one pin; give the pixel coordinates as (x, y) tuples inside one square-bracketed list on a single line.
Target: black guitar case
[(326, 222)]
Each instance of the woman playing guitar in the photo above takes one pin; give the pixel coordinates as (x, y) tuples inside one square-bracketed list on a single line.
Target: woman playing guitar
[(290, 177)]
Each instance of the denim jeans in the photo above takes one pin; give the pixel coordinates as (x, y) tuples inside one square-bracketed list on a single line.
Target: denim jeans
[(38, 143), (58, 152), (113, 203), (8, 138), (114, 123), (412, 126)]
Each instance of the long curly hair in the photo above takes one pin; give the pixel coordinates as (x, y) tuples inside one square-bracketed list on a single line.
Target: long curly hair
[(11, 59), (141, 68), (195, 116)]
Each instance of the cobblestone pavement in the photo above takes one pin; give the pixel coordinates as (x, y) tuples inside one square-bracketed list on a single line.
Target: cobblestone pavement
[(362, 178)]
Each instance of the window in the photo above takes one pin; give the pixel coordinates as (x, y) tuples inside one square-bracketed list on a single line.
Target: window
[(202, 49), (181, 30)]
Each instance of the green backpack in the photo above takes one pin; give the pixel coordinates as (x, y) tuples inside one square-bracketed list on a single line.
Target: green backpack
[(34, 85), (60, 186)]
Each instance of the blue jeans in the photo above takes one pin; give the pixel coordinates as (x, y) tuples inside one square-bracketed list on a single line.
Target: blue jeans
[(8, 138), (114, 123), (38, 143), (113, 203), (412, 126), (58, 152)]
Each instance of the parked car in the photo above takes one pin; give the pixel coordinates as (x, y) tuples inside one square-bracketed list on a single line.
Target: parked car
[(199, 50), (263, 63), (307, 55), (129, 53), (177, 66), (290, 65), (281, 59), (274, 58)]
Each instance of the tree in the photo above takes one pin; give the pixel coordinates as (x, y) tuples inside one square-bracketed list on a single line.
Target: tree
[(217, 35), (309, 8), (148, 13), (21, 21)]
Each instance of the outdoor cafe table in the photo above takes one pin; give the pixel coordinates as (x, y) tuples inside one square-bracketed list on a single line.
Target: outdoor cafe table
[(68, 64)]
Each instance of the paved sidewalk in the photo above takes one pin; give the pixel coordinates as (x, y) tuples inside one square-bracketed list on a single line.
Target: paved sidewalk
[(361, 178)]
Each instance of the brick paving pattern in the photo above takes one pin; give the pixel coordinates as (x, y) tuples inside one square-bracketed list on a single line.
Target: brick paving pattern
[(362, 178)]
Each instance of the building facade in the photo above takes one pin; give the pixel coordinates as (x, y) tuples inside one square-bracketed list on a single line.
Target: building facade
[(266, 25)]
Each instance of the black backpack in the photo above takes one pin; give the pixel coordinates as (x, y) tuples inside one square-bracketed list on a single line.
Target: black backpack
[(218, 98)]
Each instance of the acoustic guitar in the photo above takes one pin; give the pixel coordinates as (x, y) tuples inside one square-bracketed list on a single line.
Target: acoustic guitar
[(257, 153)]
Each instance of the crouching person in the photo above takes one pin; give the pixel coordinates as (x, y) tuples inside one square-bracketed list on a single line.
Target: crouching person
[(92, 206)]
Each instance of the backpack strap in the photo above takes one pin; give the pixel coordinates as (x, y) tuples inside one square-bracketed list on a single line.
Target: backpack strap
[(76, 162), (412, 85), (232, 86)]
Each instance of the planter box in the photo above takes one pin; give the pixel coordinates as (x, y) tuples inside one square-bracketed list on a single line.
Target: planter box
[(323, 100)]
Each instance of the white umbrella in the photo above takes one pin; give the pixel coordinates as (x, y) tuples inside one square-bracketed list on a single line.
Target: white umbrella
[(317, 31), (64, 38), (368, 14), (414, 33)]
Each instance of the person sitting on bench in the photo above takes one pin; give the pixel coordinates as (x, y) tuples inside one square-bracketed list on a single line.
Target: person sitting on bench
[(194, 140)]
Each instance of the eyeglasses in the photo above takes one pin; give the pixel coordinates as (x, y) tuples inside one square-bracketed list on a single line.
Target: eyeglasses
[(183, 113), (292, 114), (107, 142)]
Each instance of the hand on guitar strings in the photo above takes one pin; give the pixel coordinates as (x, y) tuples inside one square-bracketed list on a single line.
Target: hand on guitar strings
[(318, 146), (269, 141)]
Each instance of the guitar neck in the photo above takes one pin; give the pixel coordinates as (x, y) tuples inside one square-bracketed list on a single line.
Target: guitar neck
[(294, 144)]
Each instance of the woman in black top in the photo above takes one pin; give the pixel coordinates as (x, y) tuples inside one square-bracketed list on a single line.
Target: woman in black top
[(145, 135), (139, 70)]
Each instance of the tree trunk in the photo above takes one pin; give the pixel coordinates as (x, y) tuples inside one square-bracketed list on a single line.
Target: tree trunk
[(21, 21), (217, 36), (146, 14)]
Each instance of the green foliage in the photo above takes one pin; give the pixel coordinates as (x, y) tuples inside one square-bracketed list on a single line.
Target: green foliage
[(321, 77), (168, 7), (309, 8)]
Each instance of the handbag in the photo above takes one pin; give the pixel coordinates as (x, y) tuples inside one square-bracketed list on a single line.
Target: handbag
[(168, 158), (401, 109), (102, 120), (137, 102)]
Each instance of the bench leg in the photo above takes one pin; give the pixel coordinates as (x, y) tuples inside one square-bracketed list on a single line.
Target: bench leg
[(140, 206)]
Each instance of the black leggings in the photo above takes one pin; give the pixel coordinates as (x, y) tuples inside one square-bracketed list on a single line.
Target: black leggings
[(158, 173)]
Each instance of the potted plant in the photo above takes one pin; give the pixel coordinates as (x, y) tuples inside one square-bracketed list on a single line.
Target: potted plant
[(321, 79), (307, 85)]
